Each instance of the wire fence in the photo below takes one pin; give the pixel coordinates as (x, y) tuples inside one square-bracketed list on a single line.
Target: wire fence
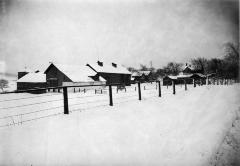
[(17, 109)]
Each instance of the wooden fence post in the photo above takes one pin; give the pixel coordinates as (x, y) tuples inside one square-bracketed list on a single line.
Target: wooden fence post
[(185, 83), (65, 100), (174, 90), (159, 89), (110, 96), (194, 83), (139, 91)]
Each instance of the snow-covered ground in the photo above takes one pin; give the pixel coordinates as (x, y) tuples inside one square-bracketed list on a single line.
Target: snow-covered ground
[(182, 129)]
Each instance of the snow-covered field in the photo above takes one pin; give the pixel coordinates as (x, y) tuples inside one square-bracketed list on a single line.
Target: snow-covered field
[(182, 129)]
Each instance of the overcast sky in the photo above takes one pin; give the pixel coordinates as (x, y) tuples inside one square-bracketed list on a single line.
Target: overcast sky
[(130, 32)]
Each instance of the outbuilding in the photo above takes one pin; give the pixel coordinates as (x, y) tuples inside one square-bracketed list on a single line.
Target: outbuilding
[(167, 80), (112, 73), (32, 81)]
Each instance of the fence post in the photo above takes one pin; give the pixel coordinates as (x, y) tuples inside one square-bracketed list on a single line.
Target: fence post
[(159, 89), (185, 83), (65, 100), (139, 91), (174, 90), (110, 96), (194, 83)]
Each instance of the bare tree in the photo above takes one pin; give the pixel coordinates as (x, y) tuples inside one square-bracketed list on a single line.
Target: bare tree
[(200, 64), (3, 84), (172, 68)]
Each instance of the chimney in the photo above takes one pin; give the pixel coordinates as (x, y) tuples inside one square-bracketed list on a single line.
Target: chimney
[(100, 63), (114, 65), (186, 64)]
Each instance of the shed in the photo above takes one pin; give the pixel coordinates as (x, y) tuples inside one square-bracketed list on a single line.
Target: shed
[(167, 80), (112, 73), (185, 77), (61, 74), (32, 81), (199, 78)]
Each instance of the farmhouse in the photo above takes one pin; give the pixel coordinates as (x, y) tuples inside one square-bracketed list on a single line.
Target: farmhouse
[(63, 75), (112, 73), (187, 69), (32, 81)]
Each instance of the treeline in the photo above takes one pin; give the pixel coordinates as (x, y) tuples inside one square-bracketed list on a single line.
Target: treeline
[(226, 67)]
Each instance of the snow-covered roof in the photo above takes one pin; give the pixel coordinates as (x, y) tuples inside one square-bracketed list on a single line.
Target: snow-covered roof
[(33, 77), (184, 76), (101, 79), (145, 72), (200, 75), (187, 66), (135, 74), (140, 73), (108, 68), (171, 77), (76, 73)]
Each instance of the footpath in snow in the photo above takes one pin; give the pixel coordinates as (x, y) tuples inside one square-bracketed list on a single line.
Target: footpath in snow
[(183, 129)]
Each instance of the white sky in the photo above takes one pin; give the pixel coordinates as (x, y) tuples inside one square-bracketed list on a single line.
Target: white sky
[(34, 32)]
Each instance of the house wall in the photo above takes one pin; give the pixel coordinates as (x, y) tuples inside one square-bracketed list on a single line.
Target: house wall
[(113, 78), (55, 77), (30, 85)]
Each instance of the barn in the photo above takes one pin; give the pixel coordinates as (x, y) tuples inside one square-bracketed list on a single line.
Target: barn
[(67, 75), (112, 73), (32, 81)]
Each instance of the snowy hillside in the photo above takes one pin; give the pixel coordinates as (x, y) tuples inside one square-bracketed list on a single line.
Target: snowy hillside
[(182, 129)]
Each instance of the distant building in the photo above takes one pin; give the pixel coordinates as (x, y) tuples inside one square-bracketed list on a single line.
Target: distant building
[(66, 75), (112, 73), (32, 81), (187, 69), (142, 76), (167, 80)]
